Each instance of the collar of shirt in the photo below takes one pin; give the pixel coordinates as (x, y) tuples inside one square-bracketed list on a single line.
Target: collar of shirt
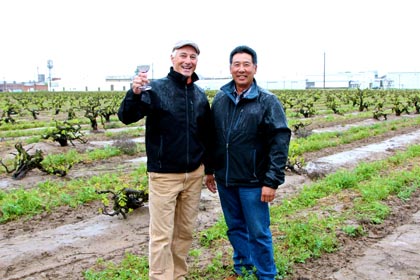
[(238, 96)]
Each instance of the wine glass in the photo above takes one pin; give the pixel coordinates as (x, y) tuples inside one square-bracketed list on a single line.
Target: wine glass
[(144, 68)]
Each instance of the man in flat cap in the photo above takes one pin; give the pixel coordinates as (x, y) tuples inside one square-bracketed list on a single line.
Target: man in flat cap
[(177, 139)]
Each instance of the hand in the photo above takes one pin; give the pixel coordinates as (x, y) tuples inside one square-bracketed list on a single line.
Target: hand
[(139, 81), (210, 183), (267, 194)]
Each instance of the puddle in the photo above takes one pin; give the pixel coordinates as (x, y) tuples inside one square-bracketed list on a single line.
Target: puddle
[(64, 235), (3, 184), (118, 129), (138, 160), (7, 183), (91, 238), (71, 243), (344, 127), (394, 257), (328, 164), (317, 168), (111, 142), (86, 132)]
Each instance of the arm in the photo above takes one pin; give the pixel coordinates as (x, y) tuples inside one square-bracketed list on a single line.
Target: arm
[(279, 135), (132, 109)]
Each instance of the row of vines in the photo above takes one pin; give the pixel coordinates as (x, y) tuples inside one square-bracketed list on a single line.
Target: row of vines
[(67, 116), (71, 120)]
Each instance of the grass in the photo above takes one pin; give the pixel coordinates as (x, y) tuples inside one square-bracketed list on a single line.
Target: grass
[(304, 226), (132, 267), (319, 141), (48, 195), (73, 157), (307, 224)]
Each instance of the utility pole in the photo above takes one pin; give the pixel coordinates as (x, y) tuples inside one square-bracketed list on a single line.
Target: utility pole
[(324, 70), (50, 66)]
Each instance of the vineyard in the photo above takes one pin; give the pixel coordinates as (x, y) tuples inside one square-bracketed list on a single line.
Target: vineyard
[(65, 161)]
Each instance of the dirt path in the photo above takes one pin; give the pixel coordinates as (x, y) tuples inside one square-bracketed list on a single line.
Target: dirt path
[(54, 253), (65, 251), (389, 251), (63, 244), (396, 256)]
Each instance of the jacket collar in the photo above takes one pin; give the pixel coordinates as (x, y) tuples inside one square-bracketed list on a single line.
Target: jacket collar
[(181, 79), (229, 90)]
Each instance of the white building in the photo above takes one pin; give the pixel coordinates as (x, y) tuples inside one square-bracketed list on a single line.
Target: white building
[(368, 79), (405, 80)]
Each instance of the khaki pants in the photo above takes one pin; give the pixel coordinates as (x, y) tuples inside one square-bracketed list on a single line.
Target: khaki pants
[(173, 204)]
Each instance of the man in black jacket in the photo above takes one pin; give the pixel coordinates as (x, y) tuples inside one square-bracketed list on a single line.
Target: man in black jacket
[(177, 137), (250, 155)]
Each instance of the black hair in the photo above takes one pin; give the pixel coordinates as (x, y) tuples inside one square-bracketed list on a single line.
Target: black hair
[(244, 49)]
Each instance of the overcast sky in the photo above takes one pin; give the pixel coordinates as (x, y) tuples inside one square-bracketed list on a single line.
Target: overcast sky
[(89, 40)]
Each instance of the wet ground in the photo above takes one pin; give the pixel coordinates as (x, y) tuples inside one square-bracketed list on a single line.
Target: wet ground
[(397, 256), (64, 243)]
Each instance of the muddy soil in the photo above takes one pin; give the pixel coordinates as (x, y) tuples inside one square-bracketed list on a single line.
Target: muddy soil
[(66, 242)]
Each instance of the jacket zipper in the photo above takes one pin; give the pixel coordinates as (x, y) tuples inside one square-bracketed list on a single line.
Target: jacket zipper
[(187, 127), (232, 121)]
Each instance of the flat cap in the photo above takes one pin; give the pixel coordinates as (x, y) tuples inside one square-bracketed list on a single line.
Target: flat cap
[(184, 43)]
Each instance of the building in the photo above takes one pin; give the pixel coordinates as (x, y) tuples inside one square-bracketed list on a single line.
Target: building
[(340, 80), (405, 80), (23, 87), (369, 79), (118, 83)]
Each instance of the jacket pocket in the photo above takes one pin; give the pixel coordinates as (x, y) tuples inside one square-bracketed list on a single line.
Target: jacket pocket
[(242, 167)]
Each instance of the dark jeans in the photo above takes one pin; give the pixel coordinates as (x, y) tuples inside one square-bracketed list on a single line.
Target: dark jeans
[(248, 221)]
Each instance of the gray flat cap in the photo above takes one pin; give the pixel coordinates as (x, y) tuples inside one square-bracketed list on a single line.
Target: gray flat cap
[(184, 43)]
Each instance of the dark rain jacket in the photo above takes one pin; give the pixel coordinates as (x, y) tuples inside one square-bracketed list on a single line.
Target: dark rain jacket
[(177, 123), (252, 138)]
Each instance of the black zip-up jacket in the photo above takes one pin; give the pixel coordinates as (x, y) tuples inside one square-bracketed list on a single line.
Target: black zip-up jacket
[(177, 123), (252, 138)]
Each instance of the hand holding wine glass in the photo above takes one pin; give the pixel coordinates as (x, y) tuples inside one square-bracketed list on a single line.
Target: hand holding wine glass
[(144, 68)]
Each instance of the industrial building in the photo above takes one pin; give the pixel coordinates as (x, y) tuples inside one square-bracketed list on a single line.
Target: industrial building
[(340, 80)]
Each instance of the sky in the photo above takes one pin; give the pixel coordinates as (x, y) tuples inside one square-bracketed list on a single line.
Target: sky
[(88, 40)]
